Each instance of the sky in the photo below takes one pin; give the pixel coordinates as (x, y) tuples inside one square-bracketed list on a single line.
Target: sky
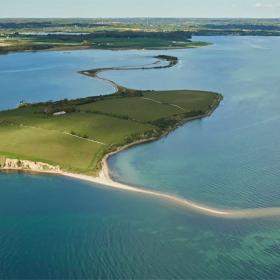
[(140, 8)]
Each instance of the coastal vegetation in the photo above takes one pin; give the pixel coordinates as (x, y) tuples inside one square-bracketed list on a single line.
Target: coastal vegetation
[(114, 40), (78, 140)]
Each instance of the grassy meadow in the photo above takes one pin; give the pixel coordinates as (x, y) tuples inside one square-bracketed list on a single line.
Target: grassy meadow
[(78, 140)]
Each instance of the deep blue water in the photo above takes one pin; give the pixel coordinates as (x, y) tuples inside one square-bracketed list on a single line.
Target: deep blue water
[(54, 227)]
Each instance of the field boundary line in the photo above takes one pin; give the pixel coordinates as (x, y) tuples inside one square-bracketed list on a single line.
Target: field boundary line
[(65, 133)]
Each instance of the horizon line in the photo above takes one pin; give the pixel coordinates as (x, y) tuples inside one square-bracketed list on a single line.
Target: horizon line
[(144, 17)]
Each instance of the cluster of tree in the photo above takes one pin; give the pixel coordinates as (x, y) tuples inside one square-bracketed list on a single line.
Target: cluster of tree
[(173, 60), (24, 47), (124, 117), (6, 123), (23, 25), (165, 124), (124, 92), (70, 106), (241, 26), (236, 32), (85, 136), (63, 105), (170, 36)]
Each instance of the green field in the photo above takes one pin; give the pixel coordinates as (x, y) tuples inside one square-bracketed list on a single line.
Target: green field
[(143, 43), (33, 132), (18, 40), (33, 43)]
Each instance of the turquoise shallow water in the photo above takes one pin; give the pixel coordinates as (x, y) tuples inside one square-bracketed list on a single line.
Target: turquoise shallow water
[(54, 227), (231, 159)]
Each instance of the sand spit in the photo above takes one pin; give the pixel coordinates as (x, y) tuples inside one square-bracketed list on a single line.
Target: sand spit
[(104, 179)]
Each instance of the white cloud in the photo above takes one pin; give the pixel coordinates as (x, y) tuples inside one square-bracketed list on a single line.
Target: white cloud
[(267, 5)]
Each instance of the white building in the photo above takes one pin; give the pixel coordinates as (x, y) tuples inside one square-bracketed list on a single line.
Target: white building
[(59, 113)]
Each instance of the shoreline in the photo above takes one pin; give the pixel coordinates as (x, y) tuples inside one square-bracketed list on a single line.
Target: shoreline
[(80, 48), (94, 73), (104, 179)]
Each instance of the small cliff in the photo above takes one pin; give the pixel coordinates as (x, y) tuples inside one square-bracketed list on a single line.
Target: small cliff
[(16, 164)]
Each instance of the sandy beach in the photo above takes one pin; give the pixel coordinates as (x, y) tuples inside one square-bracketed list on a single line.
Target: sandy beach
[(104, 179)]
